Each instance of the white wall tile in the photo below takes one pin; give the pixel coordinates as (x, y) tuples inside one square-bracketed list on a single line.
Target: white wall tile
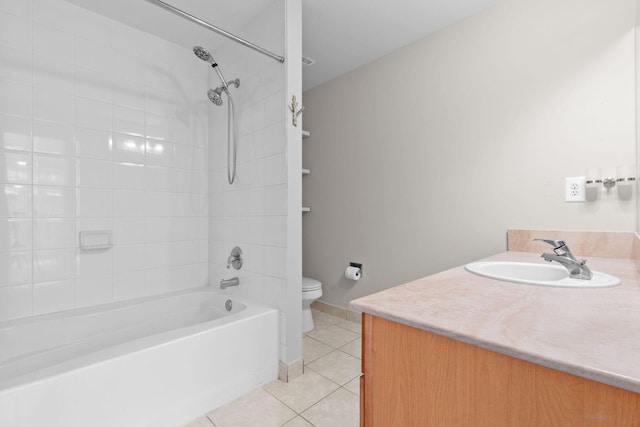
[(93, 84), (15, 98), (54, 170), (93, 114), (56, 202), (15, 167), (95, 173), (53, 105), (186, 252), (52, 74), (159, 178), (129, 258), (87, 140), (15, 268), (55, 14), (159, 229), (127, 148), (93, 144), (128, 94), (94, 290), (129, 203), (53, 265), (53, 138), (159, 153), (187, 229), (128, 121), (93, 26), (129, 67), (51, 297), (54, 233), (129, 176), (129, 285), (94, 56), (159, 254), (158, 127), (16, 301), (94, 263), (15, 234), (95, 202), (15, 33), (129, 231), (21, 8), (16, 65), (15, 133), (18, 201), (160, 280), (160, 204), (93, 224), (53, 44)]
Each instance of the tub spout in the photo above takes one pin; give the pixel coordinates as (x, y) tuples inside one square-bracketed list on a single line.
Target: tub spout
[(225, 283)]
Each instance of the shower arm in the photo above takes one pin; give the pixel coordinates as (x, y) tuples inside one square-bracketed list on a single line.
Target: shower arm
[(215, 29)]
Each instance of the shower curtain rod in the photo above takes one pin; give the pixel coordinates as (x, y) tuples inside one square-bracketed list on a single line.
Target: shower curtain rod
[(215, 29)]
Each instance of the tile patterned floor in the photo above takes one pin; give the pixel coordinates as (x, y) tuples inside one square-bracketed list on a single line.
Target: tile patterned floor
[(325, 395)]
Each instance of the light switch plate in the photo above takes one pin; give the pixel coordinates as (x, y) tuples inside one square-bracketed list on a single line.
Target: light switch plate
[(574, 189)]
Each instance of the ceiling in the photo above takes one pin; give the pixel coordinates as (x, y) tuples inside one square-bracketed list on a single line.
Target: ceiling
[(339, 35)]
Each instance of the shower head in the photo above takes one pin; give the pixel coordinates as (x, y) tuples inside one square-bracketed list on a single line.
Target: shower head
[(215, 96), (203, 54)]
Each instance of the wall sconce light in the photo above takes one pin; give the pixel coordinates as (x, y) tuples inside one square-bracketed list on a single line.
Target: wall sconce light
[(626, 175)]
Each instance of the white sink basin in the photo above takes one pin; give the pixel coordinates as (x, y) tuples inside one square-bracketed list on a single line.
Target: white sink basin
[(539, 274)]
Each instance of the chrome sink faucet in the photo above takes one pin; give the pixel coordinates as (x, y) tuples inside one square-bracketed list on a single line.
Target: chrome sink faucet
[(577, 268)]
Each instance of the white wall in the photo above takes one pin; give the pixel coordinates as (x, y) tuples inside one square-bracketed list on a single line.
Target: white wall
[(422, 160), (253, 212), (102, 127)]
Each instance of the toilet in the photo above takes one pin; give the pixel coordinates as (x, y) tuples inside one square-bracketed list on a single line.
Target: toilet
[(311, 291)]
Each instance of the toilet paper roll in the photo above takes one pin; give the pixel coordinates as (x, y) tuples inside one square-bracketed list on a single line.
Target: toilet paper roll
[(353, 273)]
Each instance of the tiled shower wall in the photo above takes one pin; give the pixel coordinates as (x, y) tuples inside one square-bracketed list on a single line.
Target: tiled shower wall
[(102, 127), (252, 213)]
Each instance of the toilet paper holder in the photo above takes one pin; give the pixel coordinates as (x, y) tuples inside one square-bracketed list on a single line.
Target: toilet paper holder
[(357, 265)]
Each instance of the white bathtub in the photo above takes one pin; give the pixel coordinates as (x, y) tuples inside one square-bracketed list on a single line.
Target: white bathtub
[(158, 361)]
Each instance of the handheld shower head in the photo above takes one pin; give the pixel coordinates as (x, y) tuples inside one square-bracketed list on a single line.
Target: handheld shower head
[(203, 54), (215, 96)]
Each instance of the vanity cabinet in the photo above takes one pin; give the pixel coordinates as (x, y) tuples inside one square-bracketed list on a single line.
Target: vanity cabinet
[(412, 377)]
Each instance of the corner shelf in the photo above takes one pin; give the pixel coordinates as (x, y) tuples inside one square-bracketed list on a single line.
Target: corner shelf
[(306, 172), (306, 209)]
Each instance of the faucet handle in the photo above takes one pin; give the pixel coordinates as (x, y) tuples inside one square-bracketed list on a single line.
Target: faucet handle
[(559, 246), (555, 244)]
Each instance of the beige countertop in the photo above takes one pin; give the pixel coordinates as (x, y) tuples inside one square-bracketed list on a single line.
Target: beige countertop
[(593, 333)]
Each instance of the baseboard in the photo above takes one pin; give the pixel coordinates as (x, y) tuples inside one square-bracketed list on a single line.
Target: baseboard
[(337, 311), (291, 370)]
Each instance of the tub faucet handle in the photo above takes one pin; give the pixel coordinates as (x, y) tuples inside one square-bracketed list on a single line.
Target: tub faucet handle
[(235, 259)]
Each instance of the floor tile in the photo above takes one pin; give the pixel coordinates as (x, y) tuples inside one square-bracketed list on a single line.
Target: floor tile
[(339, 409), (312, 349), (353, 386), (337, 366), (297, 422), (351, 326), (200, 422), (324, 317), (354, 348), (332, 335), (302, 392), (257, 408)]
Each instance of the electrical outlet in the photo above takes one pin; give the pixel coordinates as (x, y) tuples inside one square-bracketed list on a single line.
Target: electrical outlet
[(574, 189)]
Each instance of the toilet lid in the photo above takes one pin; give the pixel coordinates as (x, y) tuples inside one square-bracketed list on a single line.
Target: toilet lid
[(309, 284)]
